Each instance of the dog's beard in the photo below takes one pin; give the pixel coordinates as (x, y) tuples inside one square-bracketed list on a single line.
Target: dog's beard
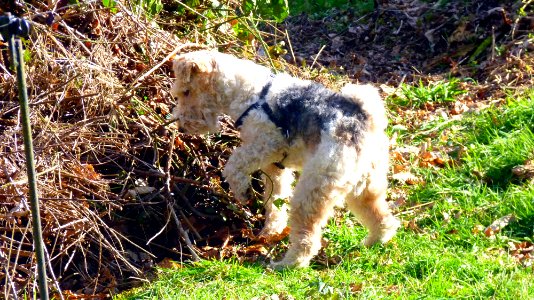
[(194, 126), (200, 125), (212, 121)]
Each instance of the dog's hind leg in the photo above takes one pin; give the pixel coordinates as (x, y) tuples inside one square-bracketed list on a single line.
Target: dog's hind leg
[(372, 210), (321, 186)]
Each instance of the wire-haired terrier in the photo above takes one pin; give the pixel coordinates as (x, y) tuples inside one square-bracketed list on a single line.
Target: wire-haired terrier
[(336, 140)]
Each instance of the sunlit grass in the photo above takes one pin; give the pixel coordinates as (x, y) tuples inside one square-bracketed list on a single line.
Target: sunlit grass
[(320, 7), (438, 92)]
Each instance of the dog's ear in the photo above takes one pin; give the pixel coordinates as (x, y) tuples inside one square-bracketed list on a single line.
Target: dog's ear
[(202, 65), (187, 66)]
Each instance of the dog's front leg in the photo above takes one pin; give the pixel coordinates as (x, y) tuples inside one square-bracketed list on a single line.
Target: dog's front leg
[(277, 191), (243, 162)]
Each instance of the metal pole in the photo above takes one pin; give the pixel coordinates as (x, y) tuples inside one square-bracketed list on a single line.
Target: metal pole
[(15, 28)]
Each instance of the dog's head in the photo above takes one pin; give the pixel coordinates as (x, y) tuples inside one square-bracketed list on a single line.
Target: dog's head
[(194, 89)]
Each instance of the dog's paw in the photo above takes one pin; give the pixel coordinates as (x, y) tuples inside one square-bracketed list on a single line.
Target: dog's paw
[(239, 185), (290, 263), (284, 265), (240, 193), (280, 266), (386, 233)]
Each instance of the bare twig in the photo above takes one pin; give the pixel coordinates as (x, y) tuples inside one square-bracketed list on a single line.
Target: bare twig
[(176, 50), (184, 235), (317, 56), (290, 47)]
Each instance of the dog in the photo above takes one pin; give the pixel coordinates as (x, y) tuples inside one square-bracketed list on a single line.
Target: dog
[(336, 140)]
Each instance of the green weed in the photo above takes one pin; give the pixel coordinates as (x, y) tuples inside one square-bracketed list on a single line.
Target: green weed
[(111, 4), (320, 8), (438, 92), (276, 10)]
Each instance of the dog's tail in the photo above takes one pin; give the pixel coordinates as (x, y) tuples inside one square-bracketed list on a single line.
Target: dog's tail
[(368, 97)]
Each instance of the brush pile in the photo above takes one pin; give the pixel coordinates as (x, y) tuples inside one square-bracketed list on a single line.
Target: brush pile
[(115, 184)]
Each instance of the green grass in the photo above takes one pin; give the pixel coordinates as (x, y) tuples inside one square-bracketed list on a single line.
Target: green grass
[(319, 8), (441, 257), (438, 92)]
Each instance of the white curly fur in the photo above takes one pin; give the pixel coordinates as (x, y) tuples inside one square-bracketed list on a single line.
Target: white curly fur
[(333, 171)]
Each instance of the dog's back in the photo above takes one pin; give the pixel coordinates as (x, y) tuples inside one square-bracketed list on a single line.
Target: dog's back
[(306, 111), (370, 101)]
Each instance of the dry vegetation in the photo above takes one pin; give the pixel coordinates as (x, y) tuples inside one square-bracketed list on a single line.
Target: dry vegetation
[(119, 188), (103, 157)]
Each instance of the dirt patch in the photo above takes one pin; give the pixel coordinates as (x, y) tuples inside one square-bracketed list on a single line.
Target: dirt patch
[(402, 41)]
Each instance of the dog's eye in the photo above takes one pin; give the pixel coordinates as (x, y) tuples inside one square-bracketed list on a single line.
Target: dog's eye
[(186, 93)]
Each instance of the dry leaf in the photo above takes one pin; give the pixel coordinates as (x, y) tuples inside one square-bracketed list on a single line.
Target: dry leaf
[(398, 199), (458, 108), (478, 229), (525, 171), (412, 225), (498, 225), (461, 33), (168, 263), (523, 252), (356, 287), (397, 156), (431, 158), (407, 178), (274, 238), (256, 249), (210, 252), (399, 168), (88, 171)]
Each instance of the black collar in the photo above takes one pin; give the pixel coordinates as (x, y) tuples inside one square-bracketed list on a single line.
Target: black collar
[(262, 103), (277, 120)]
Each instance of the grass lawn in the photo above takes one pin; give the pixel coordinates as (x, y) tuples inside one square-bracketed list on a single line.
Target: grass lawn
[(443, 250)]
